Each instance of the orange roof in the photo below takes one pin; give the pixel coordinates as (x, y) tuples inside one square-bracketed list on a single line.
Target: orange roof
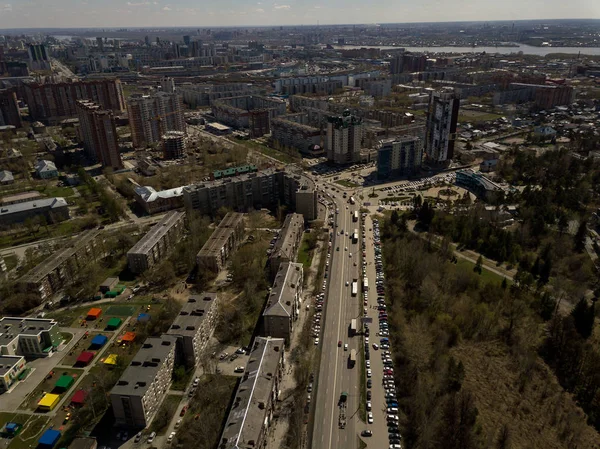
[(129, 336), (94, 312)]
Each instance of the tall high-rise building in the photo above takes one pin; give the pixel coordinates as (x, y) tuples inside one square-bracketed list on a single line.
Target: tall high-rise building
[(37, 52), (442, 116), (9, 109), (173, 144), (100, 43), (99, 134), (167, 84), (186, 40), (344, 138), (399, 157), (151, 116), (56, 101)]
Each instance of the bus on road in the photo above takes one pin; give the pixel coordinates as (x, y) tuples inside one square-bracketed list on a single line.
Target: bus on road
[(352, 358), (354, 288)]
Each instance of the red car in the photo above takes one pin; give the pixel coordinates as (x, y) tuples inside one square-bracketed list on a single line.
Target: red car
[(183, 410), (340, 344)]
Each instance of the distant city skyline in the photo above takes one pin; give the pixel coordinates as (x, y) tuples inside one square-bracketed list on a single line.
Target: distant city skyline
[(190, 13)]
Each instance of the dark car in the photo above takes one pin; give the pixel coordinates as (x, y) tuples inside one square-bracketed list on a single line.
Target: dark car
[(369, 395), (369, 383), (366, 433)]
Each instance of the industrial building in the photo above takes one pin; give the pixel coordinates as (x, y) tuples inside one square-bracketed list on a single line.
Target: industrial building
[(154, 202), (399, 157), (288, 242), (99, 134), (29, 337), (194, 326), (295, 131), (158, 242), (344, 138), (442, 117), (252, 112), (264, 189), (53, 210), (253, 408), (222, 243), (54, 273), (151, 116), (173, 143), (284, 300), (53, 102), (139, 392)]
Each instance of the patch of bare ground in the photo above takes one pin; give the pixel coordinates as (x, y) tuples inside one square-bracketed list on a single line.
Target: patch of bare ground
[(534, 408)]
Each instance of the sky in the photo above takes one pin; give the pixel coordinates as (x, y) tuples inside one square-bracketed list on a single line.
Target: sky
[(203, 13)]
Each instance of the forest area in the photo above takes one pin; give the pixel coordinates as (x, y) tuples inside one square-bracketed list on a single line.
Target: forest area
[(481, 362)]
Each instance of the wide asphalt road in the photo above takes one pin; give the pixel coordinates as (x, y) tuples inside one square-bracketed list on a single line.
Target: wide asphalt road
[(335, 376)]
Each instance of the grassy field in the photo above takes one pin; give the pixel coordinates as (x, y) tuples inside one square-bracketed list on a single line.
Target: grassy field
[(11, 261), (267, 151), (486, 275), (52, 191), (466, 115), (305, 256), (346, 183), (166, 411), (31, 431)]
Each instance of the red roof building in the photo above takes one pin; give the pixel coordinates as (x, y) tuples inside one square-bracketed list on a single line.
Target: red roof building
[(79, 397), (84, 358)]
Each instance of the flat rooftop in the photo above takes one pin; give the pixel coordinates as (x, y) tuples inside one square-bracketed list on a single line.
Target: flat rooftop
[(12, 327), (293, 225), (23, 196), (240, 178), (192, 314), (144, 367), (41, 203), (281, 298), (57, 259), (249, 410), (157, 232), (220, 235), (7, 362)]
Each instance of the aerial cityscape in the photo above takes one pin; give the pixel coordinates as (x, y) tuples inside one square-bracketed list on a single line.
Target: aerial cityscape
[(289, 226)]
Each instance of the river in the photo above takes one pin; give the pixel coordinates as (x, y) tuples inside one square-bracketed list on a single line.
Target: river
[(526, 49)]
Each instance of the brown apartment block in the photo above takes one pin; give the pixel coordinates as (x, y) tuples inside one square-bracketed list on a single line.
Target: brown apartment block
[(9, 109), (53, 102), (222, 243), (151, 116), (99, 134)]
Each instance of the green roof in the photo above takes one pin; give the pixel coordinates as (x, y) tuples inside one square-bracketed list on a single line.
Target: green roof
[(232, 171), (64, 382), (114, 322)]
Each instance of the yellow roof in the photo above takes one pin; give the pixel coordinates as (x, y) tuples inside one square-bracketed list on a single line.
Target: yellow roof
[(49, 400), (111, 359)]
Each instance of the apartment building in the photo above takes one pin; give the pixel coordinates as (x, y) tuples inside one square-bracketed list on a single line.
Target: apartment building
[(173, 143), (542, 95), (197, 95), (11, 367), (295, 131), (377, 87), (154, 202), (99, 134), (53, 210), (223, 242), (157, 243), (53, 102), (54, 273), (283, 303), (323, 85), (288, 242), (194, 326), (9, 109), (253, 112), (399, 157), (263, 189), (28, 337), (251, 414), (139, 392), (442, 117), (344, 138), (151, 116)]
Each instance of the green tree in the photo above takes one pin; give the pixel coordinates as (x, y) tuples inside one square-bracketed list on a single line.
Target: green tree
[(579, 238), (478, 266), (583, 317)]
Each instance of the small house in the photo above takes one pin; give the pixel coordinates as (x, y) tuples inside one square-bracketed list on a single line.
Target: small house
[(46, 169), (93, 314), (78, 398), (49, 439), (48, 402), (63, 383), (84, 359), (6, 177), (98, 341), (113, 324), (108, 284)]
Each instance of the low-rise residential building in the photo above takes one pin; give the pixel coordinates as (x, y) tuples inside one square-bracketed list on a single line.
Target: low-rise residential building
[(252, 411), (46, 169), (157, 243), (53, 209), (288, 241), (63, 266), (284, 301), (29, 337), (154, 202), (222, 243), (399, 157), (194, 326), (11, 367), (139, 392), (6, 177)]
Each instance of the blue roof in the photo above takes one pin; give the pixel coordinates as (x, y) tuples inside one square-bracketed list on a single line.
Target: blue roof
[(99, 340), (11, 426), (143, 317), (49, 438)]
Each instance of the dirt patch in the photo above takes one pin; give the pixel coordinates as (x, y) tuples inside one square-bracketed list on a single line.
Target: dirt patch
[(535, 408)]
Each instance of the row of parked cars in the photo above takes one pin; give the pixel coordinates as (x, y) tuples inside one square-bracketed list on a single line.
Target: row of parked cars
[(389, 384), (319, 299)]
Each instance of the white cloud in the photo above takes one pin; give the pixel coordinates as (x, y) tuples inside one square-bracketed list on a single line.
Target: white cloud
[(260, 10), (282, 7), (167, 8), (138, 4), (6, 7)]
